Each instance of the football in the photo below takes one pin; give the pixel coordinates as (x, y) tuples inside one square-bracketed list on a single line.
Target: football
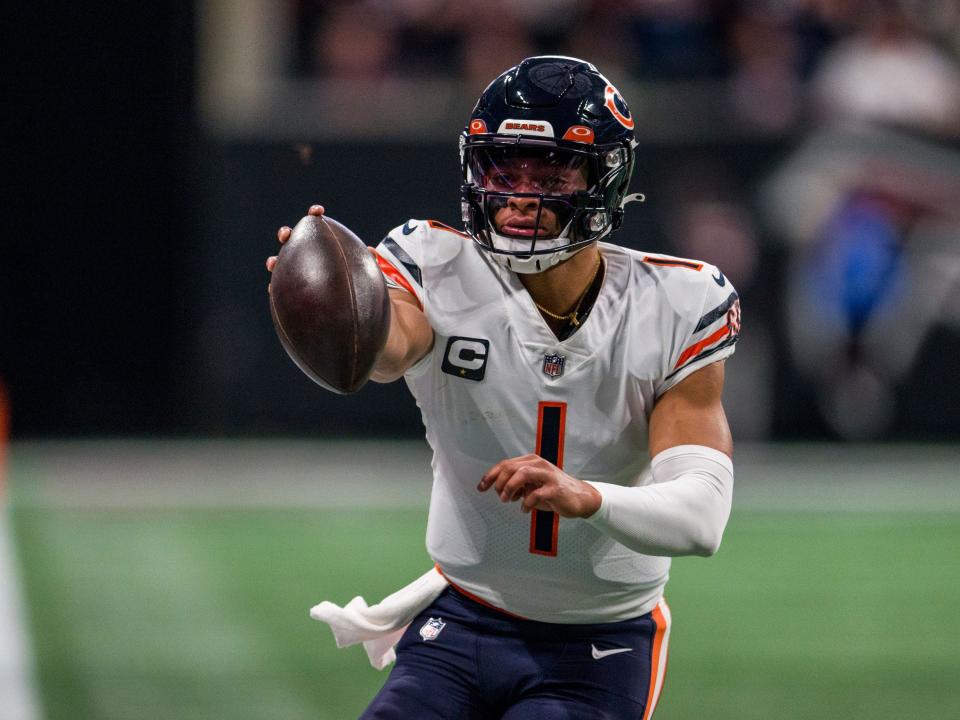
[(329, 304)]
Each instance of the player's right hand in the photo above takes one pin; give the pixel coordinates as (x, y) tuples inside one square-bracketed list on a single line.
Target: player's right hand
[(283, 234), (541, 485)]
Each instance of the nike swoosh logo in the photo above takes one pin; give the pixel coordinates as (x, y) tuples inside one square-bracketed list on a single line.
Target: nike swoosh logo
[(600, 654), (408, 228), (721, 281)]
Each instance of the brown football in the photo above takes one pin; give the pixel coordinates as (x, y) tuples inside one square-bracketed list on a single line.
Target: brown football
[(329, 304)]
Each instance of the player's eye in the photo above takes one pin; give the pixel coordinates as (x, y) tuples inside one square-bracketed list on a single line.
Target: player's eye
[(501, 180), (556, 184)]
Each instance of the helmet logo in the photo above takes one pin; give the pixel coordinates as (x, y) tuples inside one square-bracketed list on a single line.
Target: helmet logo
[(477, 126), (617, 106), (526, 127), (579, 133)]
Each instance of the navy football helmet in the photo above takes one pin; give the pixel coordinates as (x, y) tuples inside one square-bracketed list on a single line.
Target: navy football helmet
[(546, 157)]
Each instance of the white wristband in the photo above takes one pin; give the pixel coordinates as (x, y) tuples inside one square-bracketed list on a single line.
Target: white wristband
[(682, 512)]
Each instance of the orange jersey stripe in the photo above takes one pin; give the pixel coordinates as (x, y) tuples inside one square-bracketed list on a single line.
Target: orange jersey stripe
[(658, 658), (437, 225), (696, 348), (669, 262), (476, 599), (391, 272)]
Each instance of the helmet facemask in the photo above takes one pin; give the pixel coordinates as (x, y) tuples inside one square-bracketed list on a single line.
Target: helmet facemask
[(534, 203)]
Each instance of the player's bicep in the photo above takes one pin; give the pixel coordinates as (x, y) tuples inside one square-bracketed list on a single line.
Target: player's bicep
[(691, 413), (409, 340)]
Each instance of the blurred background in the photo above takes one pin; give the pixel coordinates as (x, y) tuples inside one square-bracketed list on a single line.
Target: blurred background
[(178, 494)]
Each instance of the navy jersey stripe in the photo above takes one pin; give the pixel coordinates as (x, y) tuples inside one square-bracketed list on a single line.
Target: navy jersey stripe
[(711, 317), (706, 353), (400, 254), (544, 524)]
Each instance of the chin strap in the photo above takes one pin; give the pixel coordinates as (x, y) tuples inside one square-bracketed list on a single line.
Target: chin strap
[(633, 197)]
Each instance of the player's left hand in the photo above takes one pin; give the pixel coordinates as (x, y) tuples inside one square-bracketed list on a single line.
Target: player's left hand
[(283, 234), (541, 485)]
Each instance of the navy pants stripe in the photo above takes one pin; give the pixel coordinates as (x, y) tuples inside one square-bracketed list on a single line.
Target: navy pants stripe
[(462, 660)]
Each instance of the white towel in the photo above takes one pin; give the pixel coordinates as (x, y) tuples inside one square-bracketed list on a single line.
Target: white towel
[(379, 627)]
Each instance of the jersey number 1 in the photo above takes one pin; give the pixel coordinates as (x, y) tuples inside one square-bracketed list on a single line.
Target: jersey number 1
[(551, 426)]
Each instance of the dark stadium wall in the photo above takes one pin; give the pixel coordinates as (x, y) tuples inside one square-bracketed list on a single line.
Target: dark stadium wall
[(241, 381), (100, 146)]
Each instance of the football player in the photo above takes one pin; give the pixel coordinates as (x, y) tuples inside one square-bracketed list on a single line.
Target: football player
[(550, 366)]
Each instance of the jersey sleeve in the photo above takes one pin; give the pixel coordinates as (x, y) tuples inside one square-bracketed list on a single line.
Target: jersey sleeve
[(705, 321), (399, 256)]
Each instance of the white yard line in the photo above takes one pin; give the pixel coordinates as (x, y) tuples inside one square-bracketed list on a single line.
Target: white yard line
[(18, 693), (220, 474), (396, 474)]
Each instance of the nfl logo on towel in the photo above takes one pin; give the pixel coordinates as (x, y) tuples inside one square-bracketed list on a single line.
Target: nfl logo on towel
[(553, 365), (432, 628)]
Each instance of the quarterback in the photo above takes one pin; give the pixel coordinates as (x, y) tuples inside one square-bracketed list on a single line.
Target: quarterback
[(571, 393)]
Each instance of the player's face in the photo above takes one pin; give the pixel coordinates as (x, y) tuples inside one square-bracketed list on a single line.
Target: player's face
[(532, 176)]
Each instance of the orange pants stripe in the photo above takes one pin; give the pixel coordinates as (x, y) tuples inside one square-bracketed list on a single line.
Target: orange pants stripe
[(658, 659)]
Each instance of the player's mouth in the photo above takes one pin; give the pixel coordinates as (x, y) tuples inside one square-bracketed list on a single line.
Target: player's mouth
[(520, 228)]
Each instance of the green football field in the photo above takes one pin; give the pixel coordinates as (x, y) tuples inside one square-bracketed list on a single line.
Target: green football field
[(174, 581)]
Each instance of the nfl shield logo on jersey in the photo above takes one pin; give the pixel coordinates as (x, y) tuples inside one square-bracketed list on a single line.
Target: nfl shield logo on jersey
[(553, 364), (432, 628)]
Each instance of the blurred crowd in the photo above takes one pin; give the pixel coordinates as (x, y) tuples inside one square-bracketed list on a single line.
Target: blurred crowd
[(891, 59), (859, 225)]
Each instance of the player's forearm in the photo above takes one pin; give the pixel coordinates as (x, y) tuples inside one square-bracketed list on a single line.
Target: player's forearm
[(683, 512), (409, 339)]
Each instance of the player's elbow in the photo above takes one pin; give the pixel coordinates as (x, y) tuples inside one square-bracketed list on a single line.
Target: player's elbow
[(707, 549), (389, 368), (706, 542), (708, 533)]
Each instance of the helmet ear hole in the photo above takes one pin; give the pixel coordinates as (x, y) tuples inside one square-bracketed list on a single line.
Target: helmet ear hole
[(597, 222)]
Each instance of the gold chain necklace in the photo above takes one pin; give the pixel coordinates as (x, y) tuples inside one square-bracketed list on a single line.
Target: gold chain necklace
[(571, 316)]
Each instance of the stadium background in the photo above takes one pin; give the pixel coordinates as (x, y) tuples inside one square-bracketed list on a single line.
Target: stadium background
[(178, 495)]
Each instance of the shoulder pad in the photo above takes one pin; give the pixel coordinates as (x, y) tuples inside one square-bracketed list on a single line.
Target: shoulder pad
[(428, 242)]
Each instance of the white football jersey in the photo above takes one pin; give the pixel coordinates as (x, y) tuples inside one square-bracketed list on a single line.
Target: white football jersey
[(498, 384)]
